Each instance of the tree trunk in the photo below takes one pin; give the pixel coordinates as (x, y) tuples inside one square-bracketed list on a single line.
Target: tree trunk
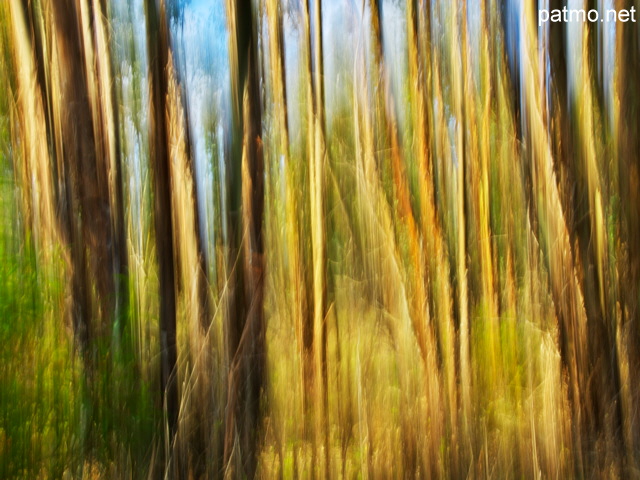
[(244, 322), (158, 51), (315, 333), (84, 172)]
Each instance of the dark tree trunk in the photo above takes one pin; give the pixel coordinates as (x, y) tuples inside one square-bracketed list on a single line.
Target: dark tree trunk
[(87, 214), (158, 51), (245, 183)]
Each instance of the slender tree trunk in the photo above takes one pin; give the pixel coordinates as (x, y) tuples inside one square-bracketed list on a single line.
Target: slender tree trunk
[(109, 144), (316, 352), (318, 234), (459, 36), (244, 323), (158, 52), (279, 88), (35, 174)]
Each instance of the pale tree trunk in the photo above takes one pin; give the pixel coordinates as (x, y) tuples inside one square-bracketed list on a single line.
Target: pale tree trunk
[(298, 281), (315, 334), (458, 74), (34, 173)]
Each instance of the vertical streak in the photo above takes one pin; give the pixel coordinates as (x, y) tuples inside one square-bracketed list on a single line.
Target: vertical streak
[(158, 55)]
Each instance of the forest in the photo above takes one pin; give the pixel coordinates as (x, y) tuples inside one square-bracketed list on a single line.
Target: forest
[(318, 239)]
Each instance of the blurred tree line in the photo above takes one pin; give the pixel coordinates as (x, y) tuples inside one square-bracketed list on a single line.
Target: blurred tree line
[(434, 274)]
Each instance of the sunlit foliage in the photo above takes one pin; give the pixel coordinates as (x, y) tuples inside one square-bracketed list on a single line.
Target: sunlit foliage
[(318, 239)]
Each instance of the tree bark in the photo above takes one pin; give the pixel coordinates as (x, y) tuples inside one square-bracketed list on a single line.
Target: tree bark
[(158, 52), (315, 333), (245, 183), (87, 205)]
